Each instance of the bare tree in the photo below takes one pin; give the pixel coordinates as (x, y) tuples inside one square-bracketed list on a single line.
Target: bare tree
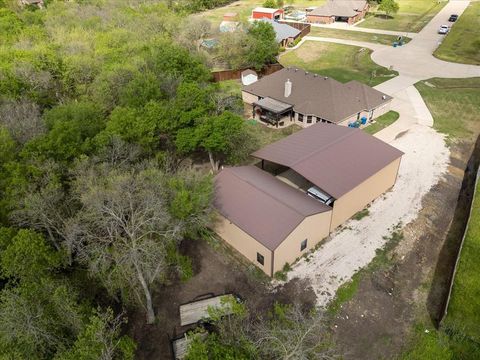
[(292, 334), (195, 29), (22, 119), (46, 207), (124, 230)]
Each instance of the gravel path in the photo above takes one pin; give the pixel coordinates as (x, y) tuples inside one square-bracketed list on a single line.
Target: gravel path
[(424, 163)]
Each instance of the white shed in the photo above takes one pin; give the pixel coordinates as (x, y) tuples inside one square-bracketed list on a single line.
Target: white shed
[(249, 77)]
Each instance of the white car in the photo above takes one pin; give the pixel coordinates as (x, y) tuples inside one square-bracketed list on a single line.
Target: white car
[(444, 29)]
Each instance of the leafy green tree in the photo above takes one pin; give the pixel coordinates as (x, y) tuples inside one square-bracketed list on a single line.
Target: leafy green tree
[(217, 135), (143, 88), (101, 339), (7, 146), (270, 4), (263, 48), (27, 256), (36, 318), (389, 7), (71, 128)]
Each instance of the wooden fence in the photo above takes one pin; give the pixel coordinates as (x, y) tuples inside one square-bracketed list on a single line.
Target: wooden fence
[(303, 27), (237, 74)]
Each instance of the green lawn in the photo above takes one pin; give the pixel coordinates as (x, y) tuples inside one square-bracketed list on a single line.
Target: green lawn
[(412, 16), (382, 122), (462, 44), (244, 9), (341, 62), (455, 105), (355, 35), (464, 307)]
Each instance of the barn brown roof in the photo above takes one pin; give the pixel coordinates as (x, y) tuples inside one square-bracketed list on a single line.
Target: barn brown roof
[(261, 205), (343, 8), (322, 97), (334, 158)]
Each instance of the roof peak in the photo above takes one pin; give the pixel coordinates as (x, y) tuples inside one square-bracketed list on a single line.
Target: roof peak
[(269, 194)]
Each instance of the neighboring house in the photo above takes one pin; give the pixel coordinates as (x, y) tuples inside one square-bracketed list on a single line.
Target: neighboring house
[(295, 96), (249, 77), (230, 23), (273, 220), (284, 33), (267, 13), (349, 11)]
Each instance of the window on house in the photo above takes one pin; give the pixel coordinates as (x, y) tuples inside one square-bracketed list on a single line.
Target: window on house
[(260, 258), (309, 119), (300, 117), (303, 245)]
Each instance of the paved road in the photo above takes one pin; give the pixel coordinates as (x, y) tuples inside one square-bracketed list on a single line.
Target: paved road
[(415, 60), (345, 26)]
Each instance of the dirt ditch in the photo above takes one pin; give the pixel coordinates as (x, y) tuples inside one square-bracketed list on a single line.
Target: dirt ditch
[(376, 323)]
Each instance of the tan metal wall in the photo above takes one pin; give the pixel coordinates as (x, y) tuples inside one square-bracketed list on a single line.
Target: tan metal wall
[(314, 228), (356, 199), (243, 243)]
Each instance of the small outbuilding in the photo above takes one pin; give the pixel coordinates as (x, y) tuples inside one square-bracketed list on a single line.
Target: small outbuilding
[(229, 23), (284, 33), (267, 13), (249, 77)]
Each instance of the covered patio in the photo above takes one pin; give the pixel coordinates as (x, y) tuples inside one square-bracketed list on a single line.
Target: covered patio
[(272, 112)]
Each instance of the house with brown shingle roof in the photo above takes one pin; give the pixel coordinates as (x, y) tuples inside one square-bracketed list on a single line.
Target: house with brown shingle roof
[(349, 11), (293, 95), (304, 187)]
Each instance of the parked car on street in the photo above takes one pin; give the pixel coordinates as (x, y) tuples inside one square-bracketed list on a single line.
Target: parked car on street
[(444, 29), (453, 18)]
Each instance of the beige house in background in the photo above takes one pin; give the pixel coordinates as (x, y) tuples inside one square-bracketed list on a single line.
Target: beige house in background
[(304, 187), (349, 11), (294, 96)]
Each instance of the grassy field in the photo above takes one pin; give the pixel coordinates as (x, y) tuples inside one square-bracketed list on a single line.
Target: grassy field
[(455, 105), (355, 35), (462, 44), (412, 16), (464, 307), (382, 122), (244, 9), (341, 62)]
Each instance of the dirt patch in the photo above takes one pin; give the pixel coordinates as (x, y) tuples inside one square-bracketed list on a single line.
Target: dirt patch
[(376, 322), (217, 271)]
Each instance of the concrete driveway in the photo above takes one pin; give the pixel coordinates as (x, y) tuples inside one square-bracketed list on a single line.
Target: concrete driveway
[(424, 163), (415, 60)]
